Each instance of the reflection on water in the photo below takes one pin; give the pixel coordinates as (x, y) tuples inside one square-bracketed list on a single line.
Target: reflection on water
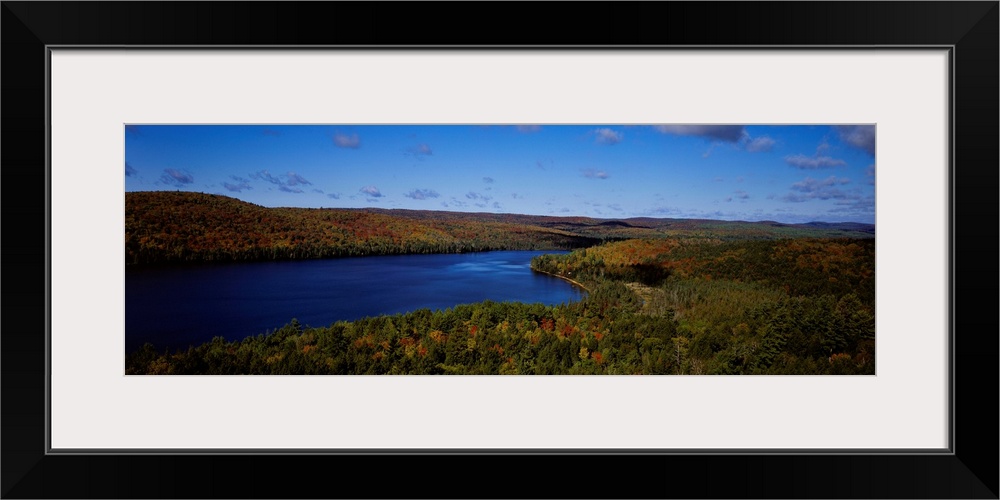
[(181, 306)]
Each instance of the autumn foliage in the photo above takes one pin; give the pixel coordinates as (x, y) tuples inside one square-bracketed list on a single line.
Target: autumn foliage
[(800, 306), (181, 227), (664, 296)]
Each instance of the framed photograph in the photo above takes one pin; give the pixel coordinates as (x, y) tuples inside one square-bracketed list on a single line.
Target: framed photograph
[(445, 249), (781, 183)]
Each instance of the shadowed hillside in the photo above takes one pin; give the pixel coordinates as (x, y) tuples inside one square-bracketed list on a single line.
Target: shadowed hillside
[(174, 227), (167, 227)]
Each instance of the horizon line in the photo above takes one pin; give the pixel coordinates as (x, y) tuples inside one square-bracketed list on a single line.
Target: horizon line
[(511, 213)]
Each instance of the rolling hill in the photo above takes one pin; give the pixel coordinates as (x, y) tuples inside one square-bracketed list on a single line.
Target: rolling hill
[(174, 227)]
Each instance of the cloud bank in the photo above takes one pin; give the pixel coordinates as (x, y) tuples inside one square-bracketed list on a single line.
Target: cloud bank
[(816, 189), (858, 136), (811, 163), (175, 177), (760, 144), (371, 192), (591, 173), (725, 133), (608, 136), (422, 194), (238, 184), (285, 183)]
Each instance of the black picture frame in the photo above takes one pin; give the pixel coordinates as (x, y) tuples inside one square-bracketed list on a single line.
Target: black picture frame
[(969, 471)]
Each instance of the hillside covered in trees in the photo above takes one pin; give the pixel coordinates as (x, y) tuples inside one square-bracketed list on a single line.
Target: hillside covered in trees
[(701, 304), (179, 227)]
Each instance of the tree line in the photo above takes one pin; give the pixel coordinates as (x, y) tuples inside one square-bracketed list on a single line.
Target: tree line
[(655, 306), (164, 227)]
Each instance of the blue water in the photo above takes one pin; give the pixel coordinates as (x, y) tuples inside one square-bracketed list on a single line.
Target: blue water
[(180, 306)]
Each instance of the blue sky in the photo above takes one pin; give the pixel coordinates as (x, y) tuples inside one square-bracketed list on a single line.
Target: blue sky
[(795, 173)]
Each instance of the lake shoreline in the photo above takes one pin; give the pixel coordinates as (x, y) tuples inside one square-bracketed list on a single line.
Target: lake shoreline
[(201, 262), (233, 299), (577, 283)]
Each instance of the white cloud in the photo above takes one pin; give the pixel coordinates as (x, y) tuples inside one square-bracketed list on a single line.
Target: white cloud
[(422, 194), (347, 141), (760, 144), (812, 163), (608, 136)]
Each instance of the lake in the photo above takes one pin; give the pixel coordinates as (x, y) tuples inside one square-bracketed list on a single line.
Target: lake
[(174, 307)]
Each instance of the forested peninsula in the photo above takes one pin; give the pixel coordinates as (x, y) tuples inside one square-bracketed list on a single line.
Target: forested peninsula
[(665, 296)]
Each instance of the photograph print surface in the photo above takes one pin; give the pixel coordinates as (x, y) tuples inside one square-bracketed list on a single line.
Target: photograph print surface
[(534, 249)]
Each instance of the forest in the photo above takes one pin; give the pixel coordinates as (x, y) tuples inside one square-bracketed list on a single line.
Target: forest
[(177, 227), (665, 296), (164, 227)]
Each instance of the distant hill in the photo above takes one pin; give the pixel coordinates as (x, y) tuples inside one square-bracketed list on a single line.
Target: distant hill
[(170, 226), (842, 226)]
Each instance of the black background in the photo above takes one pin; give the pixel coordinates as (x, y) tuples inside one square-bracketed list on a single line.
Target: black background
[(971, 472)]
